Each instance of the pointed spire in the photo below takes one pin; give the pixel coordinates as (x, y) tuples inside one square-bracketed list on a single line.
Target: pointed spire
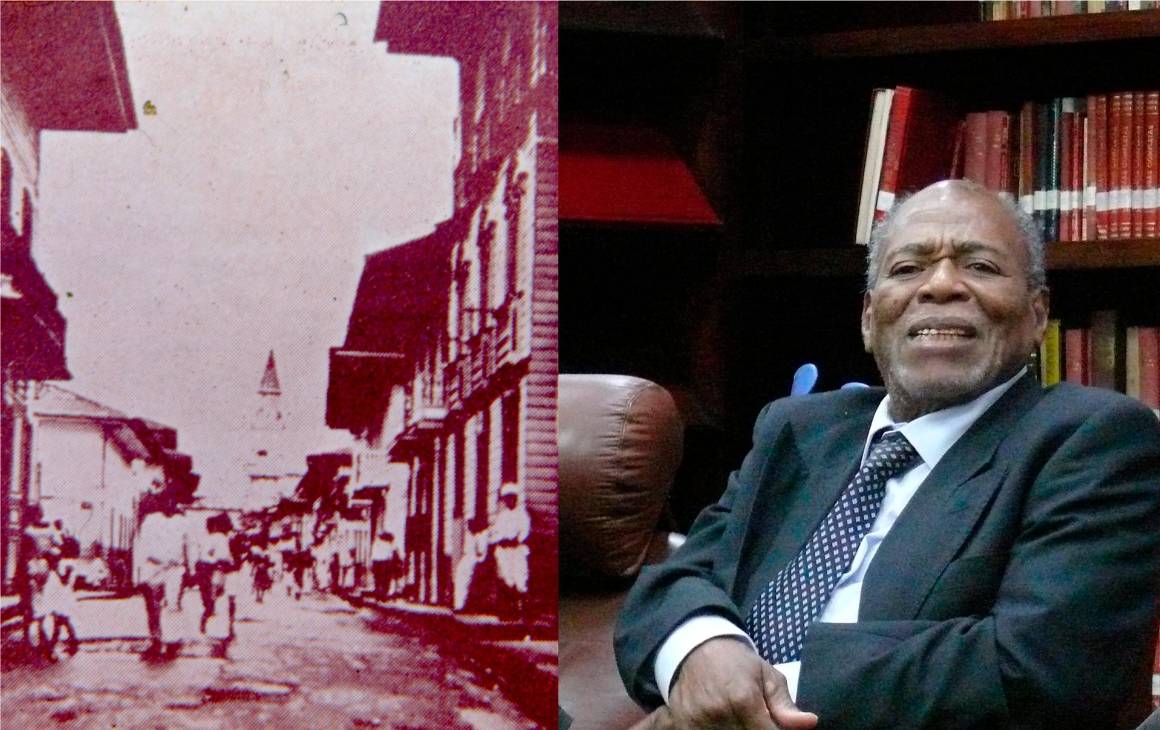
[(269, 384)]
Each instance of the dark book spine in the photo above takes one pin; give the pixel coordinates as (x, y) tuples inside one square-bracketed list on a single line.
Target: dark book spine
[(1051, 209), (1042, 157), (1106, 369)]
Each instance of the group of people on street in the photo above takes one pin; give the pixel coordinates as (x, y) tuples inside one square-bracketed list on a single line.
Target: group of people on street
[(172, 559), (176, 555), (48, 597)]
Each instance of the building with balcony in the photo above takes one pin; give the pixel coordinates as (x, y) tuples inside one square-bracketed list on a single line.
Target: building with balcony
[(63, 68), (447, 377)]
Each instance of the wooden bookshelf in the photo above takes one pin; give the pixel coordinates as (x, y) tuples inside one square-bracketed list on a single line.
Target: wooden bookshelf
[(1023, 33), (850, 261), (1078, 255), (767, 104)]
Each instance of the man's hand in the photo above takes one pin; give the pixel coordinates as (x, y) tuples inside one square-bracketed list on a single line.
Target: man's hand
[(724, 684)]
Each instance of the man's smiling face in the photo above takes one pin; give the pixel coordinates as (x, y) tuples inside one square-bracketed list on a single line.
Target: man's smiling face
[(951, 313)]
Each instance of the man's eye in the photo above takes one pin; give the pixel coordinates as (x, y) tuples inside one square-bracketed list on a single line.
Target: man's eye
[(904, 269), (983, 267)]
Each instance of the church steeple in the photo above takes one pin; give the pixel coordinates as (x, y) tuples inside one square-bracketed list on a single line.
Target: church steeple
[(270, 384)]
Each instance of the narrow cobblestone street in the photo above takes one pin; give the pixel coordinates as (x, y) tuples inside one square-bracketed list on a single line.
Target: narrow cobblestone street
[(317, 663)]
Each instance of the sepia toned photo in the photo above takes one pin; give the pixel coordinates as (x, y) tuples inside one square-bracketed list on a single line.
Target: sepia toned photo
[(279, 365)]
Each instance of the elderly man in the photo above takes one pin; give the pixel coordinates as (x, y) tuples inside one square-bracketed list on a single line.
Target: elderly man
[(963, 549)]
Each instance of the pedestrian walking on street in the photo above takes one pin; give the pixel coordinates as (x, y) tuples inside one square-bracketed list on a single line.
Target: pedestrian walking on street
[(384, 563), (214, 557), (235, 577), (263, 580), (335, 571), (46, 590), (348, 575), (162, 549), (58, 604)]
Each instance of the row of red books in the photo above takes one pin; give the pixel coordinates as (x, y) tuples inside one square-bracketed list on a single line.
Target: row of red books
[(1009, 10), (1087, 168), (1106, 355)]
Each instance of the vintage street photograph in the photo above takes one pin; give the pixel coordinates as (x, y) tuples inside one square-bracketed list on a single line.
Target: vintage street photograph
[(279, 365)]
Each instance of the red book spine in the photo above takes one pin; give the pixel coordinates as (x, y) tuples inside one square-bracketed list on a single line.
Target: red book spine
[(1066, 133), (958, 151), (1150, 366), (975, 164), (1151, 196), (1075, 358), (892, 154), (997, 126), (1006, 158), (1137, 202), (1098, 115), (1115, 117), (1027, 157), (1124, 182)]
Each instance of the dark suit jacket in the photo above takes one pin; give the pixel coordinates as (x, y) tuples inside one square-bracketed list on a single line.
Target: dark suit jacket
[(1019, 587)]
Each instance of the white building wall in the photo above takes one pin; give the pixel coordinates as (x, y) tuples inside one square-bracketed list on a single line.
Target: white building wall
[(495, 460), (84, 480), (525, 240)]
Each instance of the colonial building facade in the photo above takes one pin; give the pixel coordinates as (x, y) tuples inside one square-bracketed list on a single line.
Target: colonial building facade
[(63, 69), (448, 374)]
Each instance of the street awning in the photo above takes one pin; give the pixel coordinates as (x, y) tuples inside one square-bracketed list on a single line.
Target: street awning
[(402, 299)]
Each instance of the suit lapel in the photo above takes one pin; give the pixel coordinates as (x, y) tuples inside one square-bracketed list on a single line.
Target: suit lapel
[(942, 514), (780, 527)]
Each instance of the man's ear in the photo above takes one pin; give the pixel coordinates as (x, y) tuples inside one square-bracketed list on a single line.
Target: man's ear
[(1040, 306), (867, 320)]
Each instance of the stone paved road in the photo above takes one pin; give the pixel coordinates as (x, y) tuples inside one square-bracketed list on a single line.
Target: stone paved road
[(317, 663)]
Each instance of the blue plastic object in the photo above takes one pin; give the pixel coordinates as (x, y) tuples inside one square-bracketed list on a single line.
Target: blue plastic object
[(804, 379)]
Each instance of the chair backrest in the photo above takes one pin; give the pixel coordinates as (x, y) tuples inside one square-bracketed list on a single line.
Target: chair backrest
[(620, 442)]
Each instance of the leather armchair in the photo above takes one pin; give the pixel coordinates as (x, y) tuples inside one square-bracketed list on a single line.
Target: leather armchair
[(620, 441)]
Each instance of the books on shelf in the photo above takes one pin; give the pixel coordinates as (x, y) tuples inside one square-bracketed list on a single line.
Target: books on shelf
[(1104, 354), (1016, 9), (880, 103), (1086, 168)]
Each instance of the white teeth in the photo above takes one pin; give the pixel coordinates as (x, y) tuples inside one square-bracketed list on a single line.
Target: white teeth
[(931, 332)]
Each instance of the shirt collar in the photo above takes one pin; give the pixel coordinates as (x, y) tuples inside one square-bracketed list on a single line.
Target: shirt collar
[(934, 434)]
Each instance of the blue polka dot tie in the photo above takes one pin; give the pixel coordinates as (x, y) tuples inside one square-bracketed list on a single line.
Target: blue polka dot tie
[(779, 619)]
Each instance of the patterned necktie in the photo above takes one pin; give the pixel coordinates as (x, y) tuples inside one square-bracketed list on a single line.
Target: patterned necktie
[(784, 610)]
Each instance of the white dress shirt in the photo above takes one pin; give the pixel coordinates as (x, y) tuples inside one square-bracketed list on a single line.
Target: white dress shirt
[(932, 436)]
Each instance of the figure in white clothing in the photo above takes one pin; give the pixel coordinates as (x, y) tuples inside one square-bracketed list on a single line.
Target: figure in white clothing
[(508, 536), (213, 559), (161, 552), (474, 552)]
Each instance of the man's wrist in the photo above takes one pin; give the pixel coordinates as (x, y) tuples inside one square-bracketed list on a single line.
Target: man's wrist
[(681, 642)]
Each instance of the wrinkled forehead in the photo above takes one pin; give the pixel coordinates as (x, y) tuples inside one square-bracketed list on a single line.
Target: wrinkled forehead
[(955, 217)]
